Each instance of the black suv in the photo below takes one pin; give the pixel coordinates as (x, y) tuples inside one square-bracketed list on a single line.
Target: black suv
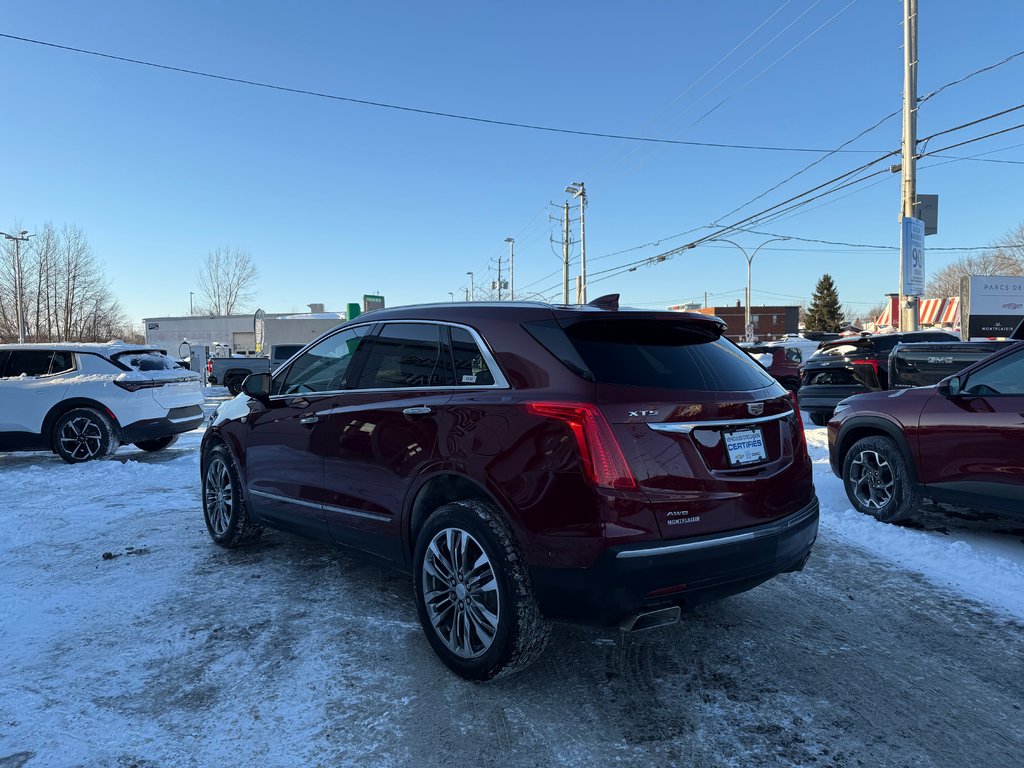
[(524, 462), (852, 366)]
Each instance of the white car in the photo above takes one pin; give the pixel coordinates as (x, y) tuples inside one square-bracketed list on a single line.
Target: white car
[(82, 401)]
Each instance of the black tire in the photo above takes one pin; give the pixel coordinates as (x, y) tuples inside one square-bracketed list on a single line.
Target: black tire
[(84, 434), (157, 444), (878, 480), (818, 418), (234, 384), (224, 509), (520, 633)]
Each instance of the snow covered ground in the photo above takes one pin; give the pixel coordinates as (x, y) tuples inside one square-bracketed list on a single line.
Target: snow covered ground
[(127, 638)]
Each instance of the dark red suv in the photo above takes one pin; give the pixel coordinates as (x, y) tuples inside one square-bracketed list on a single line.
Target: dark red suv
[(525, 462), (960, 442)]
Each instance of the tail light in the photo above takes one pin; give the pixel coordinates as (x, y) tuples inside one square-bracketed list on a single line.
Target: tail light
[(799, 419), (209, 366), (872, 363), (602, 458), (134, 385)]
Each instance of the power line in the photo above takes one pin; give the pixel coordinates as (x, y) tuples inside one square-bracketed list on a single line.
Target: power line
[(993, 116), (966, 77), (415, 110), (971, 141)]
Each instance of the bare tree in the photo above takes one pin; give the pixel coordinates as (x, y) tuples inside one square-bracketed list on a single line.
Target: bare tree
[(66, 296), (1005, 258), (227, 281)]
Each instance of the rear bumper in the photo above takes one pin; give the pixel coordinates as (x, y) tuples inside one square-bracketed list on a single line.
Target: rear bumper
[(628, 579), (180, 420)]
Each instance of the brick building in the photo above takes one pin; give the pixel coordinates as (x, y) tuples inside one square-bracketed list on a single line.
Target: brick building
[(769, 322)]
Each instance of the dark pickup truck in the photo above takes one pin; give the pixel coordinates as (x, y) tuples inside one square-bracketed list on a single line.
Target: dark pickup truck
[(231, 371), (921, 365)]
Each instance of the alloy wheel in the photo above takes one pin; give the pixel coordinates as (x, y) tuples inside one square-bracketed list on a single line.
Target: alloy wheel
[(872, 480), (460, 592), (81, 438), (219, 495)]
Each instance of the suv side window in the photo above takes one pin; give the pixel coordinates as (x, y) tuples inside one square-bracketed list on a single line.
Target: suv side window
[(794, 355), (470, 367), (29, 362), (1004, 377), (406, 355), (323, 366), (62, 362)]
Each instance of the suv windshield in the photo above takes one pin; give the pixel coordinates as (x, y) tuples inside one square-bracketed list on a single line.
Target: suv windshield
[(145, 360), (665, 354)]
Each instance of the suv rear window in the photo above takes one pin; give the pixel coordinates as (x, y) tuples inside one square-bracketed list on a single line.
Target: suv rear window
[(147, 360), (665, 354)]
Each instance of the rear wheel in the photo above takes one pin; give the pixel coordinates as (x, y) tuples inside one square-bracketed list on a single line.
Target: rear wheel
[(84, 434), (224, 509), (157, 444), (473, 593), (234, 383), (878, 481)]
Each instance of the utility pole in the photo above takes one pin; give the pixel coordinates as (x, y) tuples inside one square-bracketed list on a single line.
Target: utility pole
[(565, 254), (909, 160), (499, 278), (511, 268), (21, 237), (577, 190), (471, 296)]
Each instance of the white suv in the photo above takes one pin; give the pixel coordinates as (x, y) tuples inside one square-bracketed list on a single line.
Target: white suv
[(82, 401)]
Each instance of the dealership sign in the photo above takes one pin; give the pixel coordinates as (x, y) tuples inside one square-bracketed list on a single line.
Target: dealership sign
[(994, 306)]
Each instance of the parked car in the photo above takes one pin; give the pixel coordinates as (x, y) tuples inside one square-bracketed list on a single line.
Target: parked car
[(231, 371), (927, 363), (960, 442), (850, 366), (783, 363), (82, 401), (525, 462)]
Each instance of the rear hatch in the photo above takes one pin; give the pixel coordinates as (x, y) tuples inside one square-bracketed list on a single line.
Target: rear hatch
[(712, 440), (838, 370), (169, 385), (927, 363)]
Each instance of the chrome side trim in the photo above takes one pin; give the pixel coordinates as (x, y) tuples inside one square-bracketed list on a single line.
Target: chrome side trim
[(771, 529), (325, 507), (685, 427)]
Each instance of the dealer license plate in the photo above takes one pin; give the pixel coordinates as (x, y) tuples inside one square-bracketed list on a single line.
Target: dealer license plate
[(745, 446)]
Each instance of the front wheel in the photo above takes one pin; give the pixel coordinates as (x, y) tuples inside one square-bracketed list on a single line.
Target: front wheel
[(877, 480), (157, 444), (224, 510), (473, 593)]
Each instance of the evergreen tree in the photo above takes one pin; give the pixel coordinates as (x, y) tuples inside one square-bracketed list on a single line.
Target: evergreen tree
[(825, 312)]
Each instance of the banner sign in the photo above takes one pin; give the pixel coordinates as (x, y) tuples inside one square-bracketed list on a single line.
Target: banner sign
[(912, 257)]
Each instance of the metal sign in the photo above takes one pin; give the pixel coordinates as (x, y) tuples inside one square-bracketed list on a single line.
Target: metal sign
[(993, 304), (372, 302), (912, 257), (927, 209)]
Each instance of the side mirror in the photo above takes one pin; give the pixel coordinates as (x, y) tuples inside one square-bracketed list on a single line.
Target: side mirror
[(257, 385), (950, 387)]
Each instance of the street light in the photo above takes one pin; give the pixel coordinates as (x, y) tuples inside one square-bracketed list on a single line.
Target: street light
[(576, 189), (21, 237), (747, 329), (191, 311), (472, 288), (511, 267), (452, 294)]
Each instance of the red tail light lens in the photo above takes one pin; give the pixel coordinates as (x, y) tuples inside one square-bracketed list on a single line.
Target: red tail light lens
[(602, 458), (209, 366), (133, 385), (872, 363)]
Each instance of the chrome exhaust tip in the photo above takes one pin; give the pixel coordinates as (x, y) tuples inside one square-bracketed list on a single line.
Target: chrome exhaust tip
[(651, 619)]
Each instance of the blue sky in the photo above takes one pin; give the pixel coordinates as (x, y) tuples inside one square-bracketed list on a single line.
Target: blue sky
[(334, 200)]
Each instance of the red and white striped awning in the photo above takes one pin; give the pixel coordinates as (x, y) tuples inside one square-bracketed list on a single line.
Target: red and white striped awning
[(886, 317), (928, 312), (951, 312)]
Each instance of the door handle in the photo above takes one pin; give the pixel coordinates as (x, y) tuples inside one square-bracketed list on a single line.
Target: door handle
[(308, 420), (418, 410)]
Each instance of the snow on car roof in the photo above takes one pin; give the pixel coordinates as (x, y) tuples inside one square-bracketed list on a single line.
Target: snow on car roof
[(104, 348)]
